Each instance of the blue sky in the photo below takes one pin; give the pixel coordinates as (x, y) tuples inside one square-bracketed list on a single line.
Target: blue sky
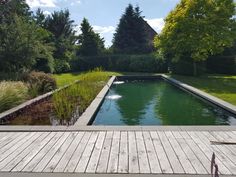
[(104, 15)]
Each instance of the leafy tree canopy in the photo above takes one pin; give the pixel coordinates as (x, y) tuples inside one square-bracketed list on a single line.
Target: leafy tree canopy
[(197, 29), (9, 8), (21, 43), (90, 43), (130, 36)]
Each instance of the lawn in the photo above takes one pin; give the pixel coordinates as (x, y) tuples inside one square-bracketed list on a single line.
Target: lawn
[(68, 78), (221, 86)]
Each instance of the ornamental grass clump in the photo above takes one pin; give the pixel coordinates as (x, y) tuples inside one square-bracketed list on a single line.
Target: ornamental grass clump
[(73, 100), (65, 102), (12, 94)]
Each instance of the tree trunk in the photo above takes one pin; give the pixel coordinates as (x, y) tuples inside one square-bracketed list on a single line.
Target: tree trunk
[(194, 68)]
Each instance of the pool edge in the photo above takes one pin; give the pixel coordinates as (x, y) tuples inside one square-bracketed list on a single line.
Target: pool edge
[(217, 101)]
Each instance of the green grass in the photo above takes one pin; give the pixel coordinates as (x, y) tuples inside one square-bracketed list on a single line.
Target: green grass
[(221, 86), (68, 78)]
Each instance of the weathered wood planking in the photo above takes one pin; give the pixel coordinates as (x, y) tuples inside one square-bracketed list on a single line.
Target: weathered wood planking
[(143, 152), (104, 157), (190, 154)]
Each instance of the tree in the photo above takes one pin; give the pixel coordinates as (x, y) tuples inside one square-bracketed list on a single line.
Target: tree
[(61, 27), (40, 18), (9, 8), (90, 43), (21, 43), (197, 29), (130, 36)]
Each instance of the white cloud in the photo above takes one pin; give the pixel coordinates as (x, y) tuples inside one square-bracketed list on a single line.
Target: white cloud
[(78, 30), (41, 3), (75, 2), (46, 13), (156, 23), (104, 29)]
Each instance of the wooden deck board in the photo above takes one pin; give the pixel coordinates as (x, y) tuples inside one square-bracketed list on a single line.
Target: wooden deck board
[(78, 153), (174, 160), (123, 154), (207, 149), (134, 152), (28, 150), (33, 153), (152, 156), (142, 154), (34, 162), (188, 168), (105, 154), (60, 152), (197, 151), (91, 168), (221, 155), (190, 154), (69, 153), (163, 159), (24, 144), (46, 159), (81, 167), (114, 154)]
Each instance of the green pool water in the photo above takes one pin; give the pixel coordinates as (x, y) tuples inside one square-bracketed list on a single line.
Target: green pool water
[(157, 103)]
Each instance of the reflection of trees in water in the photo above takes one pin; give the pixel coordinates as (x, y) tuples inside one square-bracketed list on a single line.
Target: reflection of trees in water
[(135, 97), (175, 107)]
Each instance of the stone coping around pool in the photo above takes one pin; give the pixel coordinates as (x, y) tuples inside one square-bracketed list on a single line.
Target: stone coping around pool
[(113, 128), (223, 104)]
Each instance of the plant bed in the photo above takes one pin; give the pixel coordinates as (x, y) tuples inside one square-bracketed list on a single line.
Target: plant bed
[(62, 107)]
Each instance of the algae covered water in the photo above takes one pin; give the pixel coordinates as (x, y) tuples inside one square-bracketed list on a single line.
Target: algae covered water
[(157, 103)]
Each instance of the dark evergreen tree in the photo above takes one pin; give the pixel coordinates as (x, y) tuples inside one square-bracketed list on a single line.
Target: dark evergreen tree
[(130, 36), (90, 43), (63, 36), (40, 18)]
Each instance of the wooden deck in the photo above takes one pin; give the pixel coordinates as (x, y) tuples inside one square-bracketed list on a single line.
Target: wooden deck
[(144, 152)]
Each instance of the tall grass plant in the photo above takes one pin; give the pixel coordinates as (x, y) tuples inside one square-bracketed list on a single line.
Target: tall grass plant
[(12, 94)]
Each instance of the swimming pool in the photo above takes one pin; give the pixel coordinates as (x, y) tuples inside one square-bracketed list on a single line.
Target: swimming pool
[(157, 102)]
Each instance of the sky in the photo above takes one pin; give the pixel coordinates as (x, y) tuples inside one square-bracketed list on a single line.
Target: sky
[(104, 15)]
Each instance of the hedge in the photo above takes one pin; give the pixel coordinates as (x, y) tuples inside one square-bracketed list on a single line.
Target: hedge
[(185, 67), (132, 63), (221, 64)]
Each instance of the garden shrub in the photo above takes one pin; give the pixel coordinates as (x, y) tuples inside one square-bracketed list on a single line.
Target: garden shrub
[(12, 94), (45, 65), (221, 64), (61, 66), (39, 83)]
